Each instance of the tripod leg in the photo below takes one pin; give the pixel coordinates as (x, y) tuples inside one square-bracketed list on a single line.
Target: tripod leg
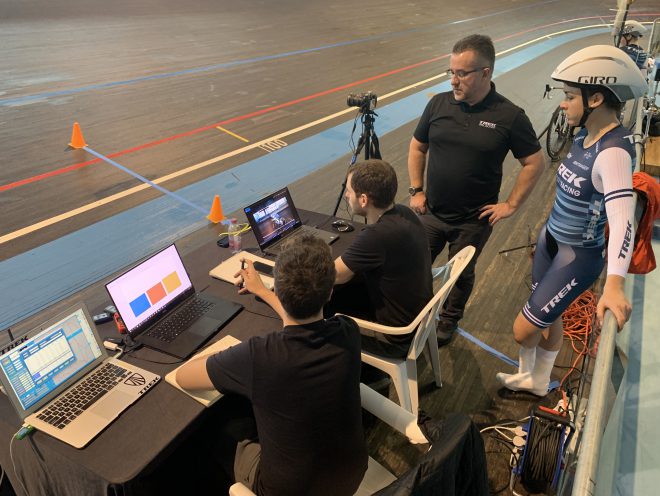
[(360, 144), (375, 153)]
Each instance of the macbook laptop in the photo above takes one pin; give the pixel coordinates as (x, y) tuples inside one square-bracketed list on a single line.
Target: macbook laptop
[(160, 308), (275, 219), (61, 380)]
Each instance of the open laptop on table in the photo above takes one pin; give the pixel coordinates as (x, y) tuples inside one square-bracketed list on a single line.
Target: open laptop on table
[(160, 308), (61, 380), (274, 219)]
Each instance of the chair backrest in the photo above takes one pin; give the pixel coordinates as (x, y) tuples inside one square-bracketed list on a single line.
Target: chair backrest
[(426, 320)]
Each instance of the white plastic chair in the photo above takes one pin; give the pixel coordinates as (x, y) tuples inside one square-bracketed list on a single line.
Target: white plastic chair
[(376, 477), (404, 370)]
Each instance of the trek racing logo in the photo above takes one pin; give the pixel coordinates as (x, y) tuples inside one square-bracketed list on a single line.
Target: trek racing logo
[(558, 297), (625, 246), (572, 180), (13, 344), (489, 125), (597, 79)]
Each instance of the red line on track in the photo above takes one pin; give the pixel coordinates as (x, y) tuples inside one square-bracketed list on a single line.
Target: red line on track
[(213, 126), (290, 103)]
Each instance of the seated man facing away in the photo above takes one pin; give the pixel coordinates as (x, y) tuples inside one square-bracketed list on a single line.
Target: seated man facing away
[(388, 265), (303, 382)]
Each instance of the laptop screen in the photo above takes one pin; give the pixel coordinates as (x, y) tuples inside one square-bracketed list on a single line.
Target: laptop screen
[(51, 360), (148, 288), (272, 217)]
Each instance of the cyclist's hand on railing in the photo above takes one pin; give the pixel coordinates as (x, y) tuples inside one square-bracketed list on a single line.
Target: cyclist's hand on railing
[(614, 300), (497, 212), (418, 203)]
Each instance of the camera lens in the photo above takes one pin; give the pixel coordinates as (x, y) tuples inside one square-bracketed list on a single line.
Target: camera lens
[(365, 101), (354, 100)]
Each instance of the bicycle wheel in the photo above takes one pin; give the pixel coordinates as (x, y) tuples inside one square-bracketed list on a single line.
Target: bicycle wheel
[(558, 133)]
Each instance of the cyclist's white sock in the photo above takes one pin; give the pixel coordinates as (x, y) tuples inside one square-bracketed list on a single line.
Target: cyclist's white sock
[(526, 359), (535, 381)]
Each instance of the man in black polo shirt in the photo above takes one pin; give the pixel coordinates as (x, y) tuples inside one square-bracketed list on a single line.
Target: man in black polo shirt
[(302, 381), (385, 274), (467, 133)]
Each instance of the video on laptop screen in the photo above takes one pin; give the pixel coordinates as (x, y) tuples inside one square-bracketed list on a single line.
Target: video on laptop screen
[(42, 363), (272, 216), (149, 287)]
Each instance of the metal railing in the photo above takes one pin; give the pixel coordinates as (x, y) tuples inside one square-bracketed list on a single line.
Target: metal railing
[(589, 441)]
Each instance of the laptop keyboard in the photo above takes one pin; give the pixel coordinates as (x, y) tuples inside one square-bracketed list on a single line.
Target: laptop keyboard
[(302, 230), (168, 329), (83, 395)]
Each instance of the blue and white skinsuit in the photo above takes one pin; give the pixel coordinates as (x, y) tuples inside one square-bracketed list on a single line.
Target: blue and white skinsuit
[(594, 186)]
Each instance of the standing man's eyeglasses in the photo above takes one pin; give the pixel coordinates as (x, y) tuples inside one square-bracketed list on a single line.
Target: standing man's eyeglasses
[(463, 74)]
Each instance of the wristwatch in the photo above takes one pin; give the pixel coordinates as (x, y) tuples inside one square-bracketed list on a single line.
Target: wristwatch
[(413, 191)]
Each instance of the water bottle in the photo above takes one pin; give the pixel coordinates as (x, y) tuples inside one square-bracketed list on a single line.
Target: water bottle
[(234, 233)]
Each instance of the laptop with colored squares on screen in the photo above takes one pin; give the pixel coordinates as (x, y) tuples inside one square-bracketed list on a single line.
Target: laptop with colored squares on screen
[(160, 308), (61, 380)]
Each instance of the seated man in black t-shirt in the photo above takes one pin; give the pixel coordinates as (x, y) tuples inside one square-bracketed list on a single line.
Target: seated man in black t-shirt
[(302, 381), (385, 275)]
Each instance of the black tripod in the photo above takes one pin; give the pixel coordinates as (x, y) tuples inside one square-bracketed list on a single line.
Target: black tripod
[(367, 141)]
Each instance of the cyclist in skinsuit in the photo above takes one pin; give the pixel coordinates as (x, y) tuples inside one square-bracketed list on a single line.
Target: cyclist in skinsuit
[(630, 35), (594, 185)]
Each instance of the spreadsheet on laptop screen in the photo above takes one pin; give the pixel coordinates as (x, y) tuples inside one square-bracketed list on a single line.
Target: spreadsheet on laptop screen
[(42, 363)]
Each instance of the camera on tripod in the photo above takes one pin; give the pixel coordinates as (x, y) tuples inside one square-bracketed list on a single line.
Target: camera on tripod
[(368, 141), (365, 101)]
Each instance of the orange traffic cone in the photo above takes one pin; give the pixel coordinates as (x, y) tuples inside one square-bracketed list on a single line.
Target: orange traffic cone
[(216, 215), (77, 140)]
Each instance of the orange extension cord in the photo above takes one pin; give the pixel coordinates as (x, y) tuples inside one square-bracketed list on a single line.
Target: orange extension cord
[(578, 324)]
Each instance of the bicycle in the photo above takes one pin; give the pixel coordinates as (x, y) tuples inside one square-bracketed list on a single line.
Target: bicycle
[(558, 132)]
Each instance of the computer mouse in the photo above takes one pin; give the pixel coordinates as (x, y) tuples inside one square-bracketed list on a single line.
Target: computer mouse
[(342, 226), (223, 241)]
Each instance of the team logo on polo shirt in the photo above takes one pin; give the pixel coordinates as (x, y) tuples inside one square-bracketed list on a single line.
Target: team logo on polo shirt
[(489, 125)]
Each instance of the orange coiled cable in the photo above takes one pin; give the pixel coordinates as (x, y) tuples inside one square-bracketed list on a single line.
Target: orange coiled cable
[(578, 324)]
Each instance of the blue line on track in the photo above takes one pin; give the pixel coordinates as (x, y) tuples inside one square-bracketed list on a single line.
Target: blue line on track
[(20, 100), (498, 354), (145, 180), (31, 281), (488, 348)]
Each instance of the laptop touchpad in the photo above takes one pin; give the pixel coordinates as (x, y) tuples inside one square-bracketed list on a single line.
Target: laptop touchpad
[(112, 404)]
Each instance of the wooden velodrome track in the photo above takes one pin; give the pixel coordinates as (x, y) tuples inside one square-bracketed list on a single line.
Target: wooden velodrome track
[(151, 83)]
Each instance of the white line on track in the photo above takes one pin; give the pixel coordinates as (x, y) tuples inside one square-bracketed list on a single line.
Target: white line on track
[(136, 189)]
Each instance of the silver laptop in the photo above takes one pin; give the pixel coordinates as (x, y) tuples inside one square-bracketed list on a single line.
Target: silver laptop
[(275, 218), (62, 382)]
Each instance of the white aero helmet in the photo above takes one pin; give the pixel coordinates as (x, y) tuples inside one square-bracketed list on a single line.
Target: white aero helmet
[(634, 28), (603, 66)]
